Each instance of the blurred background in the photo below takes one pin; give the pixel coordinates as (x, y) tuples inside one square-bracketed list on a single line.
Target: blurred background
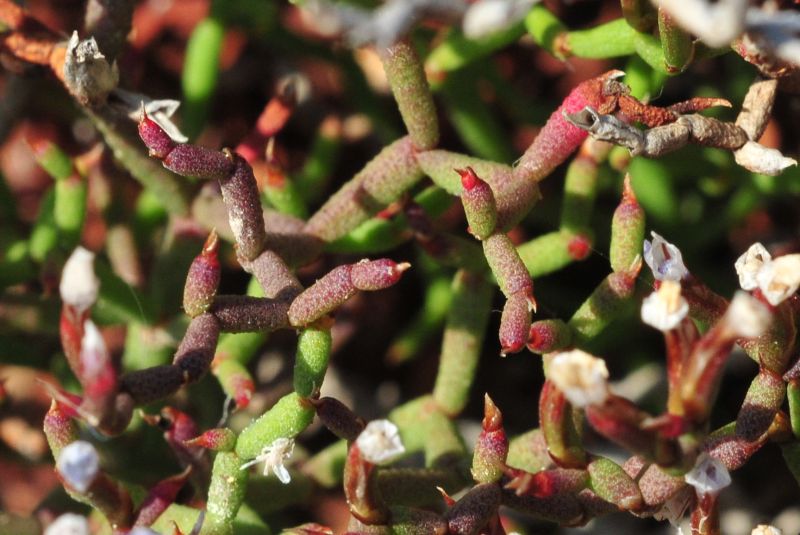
[(224, 60)]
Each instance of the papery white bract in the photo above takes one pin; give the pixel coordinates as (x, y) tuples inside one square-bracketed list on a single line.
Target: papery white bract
[(709, 475), (582, 378), (675, 507), (380, 442), (159, 111), (764, 529), (664, 259), (141, 530)]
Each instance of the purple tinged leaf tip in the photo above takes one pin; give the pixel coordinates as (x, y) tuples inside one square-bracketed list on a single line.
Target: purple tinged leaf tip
[(377, 274), (155, 138)]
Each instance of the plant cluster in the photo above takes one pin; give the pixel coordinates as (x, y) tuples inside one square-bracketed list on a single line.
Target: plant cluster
[(138, 267)]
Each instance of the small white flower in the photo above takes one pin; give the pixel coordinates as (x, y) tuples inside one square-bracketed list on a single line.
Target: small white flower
[(141, 530), (764, 529), (68, 524), (380, 442), (749, 264), (79, 465), (274, 456), (709, 476), (780, 278), (665, 308), (665, 260), (747, 316), (582, 377), (486, 17), (79, 285)]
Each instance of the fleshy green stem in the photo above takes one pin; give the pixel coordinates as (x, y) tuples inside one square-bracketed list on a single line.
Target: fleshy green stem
[(463, 340), (200, 72)]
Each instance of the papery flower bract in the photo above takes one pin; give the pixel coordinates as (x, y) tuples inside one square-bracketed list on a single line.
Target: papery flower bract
[(749, 264), (709, 475), (79, 465), (764, 529), (380, 442), (274, 456), (716, 23), (582, 377), (68, 524), (780, 278), (665, 308), (747, 315), (79, 285), (158, 110), (664, 259)]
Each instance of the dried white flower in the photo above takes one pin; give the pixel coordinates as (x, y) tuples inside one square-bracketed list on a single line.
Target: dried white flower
[(78, 464), (141, 530), (780, 278), (749, 264), (764, 529), (87, 73), (665, 309), (582, 377), (383, 26), (486, 17), (665, 260), (709, 476), (274, 456), (380, 442), (716, 23), (747, 316), (68, 524), (79, 285), (760, 159)]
